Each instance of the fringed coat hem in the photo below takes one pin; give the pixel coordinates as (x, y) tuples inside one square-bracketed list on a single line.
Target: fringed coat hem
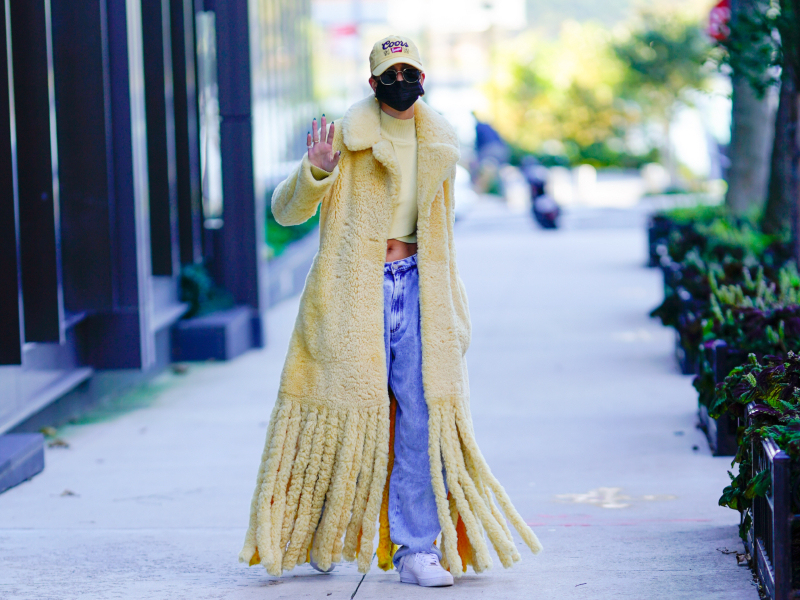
[(322, 486)]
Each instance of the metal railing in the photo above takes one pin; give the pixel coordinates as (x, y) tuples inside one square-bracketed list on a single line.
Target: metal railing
[(769, 538)]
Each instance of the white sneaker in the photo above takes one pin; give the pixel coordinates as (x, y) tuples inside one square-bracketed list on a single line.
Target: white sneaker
[(313, 562), (423, 568), (317, 567)]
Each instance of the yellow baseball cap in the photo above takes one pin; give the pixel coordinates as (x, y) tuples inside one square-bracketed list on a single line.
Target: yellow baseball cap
[(391, 51)]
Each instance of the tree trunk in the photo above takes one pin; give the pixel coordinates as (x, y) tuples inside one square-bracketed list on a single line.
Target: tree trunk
[(752, 123), (782, 194)]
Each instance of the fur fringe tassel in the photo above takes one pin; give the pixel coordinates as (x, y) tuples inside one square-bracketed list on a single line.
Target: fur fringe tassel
[(468, 508), (323, 484), (321, 479)]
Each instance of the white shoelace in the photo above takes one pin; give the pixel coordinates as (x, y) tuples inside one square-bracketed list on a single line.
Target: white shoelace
[(432, 559)]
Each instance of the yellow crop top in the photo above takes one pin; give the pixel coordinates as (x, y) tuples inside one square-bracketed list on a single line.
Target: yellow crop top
[(402, 133)]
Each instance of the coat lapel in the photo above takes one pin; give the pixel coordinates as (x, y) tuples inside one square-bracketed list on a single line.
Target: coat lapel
[(437, 154), (437, 147)]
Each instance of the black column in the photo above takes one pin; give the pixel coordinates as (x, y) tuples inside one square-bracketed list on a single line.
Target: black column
[(10, 284), (187, 144), (80, 57), (157, 46), (122, 336), (37, 171), (243, 231)]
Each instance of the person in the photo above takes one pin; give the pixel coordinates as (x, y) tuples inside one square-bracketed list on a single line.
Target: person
[(372, 422)]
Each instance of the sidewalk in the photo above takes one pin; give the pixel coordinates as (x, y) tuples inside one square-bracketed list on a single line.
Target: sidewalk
[(578, 407)]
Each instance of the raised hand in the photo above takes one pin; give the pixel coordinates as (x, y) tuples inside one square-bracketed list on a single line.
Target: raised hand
[(320, 146)]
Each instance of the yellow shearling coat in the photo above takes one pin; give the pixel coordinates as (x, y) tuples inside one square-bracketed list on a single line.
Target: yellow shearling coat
[(329, 439)]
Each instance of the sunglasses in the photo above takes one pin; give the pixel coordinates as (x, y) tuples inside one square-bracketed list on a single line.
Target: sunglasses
[(389, 76)]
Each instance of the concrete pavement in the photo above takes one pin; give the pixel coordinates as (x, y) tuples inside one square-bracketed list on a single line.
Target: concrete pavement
[(578, 407)]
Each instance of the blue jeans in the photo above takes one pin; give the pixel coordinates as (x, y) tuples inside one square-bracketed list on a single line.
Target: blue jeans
[(413, 520)]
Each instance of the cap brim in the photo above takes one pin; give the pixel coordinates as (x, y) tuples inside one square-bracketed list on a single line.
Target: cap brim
[(396, 60)]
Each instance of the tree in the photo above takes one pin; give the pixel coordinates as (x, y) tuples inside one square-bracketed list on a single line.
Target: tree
[(780, 213), (563, 90), (763, 42), (666, 57), (784, 184), (752, 128)]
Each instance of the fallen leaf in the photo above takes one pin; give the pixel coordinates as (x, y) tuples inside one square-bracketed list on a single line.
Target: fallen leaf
[(48, 431), (68, 493), (58, 443)]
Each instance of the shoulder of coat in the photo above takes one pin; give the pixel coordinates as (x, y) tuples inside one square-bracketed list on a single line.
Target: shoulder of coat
[(432, 127), (361, 125)]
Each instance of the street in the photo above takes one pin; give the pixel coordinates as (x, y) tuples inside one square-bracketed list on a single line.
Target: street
[(578, 407)]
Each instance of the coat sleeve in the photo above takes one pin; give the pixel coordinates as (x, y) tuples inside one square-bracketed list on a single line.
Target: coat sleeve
[(296, 198)]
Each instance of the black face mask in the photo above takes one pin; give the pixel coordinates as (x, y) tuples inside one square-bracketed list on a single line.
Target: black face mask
[(400, 95)]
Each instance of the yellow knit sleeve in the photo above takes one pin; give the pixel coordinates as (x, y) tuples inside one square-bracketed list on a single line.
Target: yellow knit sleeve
[(319, 174)]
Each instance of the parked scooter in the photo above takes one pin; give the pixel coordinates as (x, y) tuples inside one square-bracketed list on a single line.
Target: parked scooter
[(545, 210)]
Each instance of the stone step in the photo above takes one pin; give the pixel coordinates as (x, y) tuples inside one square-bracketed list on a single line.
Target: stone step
[(220, 335), (21, 457)]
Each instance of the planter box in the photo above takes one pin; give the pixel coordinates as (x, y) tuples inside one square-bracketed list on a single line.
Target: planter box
[(725, 359), (658, 229), (688, 358), (21, 457), (720, 433), (672, 274), (769, 539), (221, 335), (687, 353)]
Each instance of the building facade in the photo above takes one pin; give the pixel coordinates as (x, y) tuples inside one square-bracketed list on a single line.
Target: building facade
[(138, 137)]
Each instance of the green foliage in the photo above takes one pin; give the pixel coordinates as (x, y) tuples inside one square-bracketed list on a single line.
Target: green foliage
[(774, 387), (699, 214), (199, 291), (736, 285), (579, 97), (753, 47), (764, 34), (559, 98), (666, 56), (598, 154), (756, 315), (735, 238), (757, 292), (728, 285), (602, 154)]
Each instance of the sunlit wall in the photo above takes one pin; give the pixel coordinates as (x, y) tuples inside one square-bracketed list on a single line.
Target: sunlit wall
[(283, 96)]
